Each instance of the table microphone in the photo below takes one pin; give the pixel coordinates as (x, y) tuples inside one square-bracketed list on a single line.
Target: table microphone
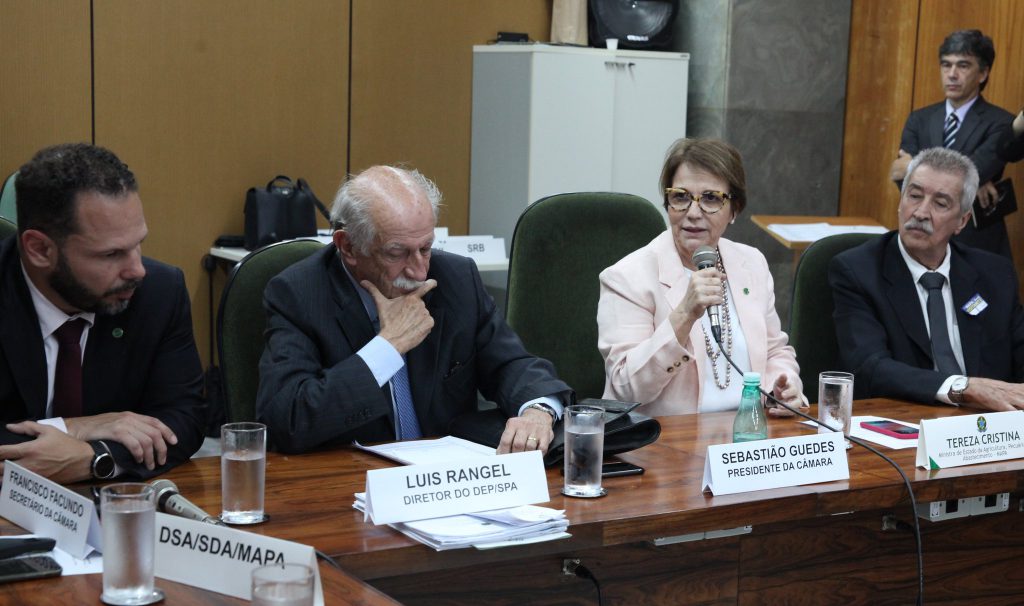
[(703, 258), (169, 501)]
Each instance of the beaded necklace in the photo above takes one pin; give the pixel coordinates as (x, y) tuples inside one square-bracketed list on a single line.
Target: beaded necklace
[(713, 353)]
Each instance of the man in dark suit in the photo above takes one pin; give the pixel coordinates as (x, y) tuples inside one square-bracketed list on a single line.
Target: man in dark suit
[(377, 337), (919, 318), (966, 123), (99, 372), (1011, 148)]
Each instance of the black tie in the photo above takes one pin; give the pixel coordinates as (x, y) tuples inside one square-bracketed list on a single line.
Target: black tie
[(949, 132), (942, 351)]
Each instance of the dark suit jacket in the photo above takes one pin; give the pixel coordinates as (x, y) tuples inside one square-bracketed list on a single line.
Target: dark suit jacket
[(883, 334), (315, 391), (143, 359), (1011, 148)]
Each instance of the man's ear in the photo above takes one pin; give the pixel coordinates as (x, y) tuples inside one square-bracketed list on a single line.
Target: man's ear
[(38, 250), (343, 242), (963, 222)]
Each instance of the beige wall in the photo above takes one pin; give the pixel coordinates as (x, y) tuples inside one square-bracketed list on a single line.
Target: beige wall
[(894, 69), (206, 99)]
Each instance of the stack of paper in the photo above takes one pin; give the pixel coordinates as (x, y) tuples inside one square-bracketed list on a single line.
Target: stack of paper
[(812, 232), (484, 530)]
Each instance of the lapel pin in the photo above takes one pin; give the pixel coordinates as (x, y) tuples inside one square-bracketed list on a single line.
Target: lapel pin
[(117, 332), (746, 290)]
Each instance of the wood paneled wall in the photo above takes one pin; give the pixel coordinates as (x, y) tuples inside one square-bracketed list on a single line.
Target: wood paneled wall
[(894, 69)]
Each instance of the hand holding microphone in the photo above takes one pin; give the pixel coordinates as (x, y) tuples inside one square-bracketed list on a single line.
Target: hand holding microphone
[(706, 257)]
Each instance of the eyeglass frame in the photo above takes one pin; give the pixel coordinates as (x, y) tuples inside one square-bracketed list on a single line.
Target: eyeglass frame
[(725, 196)]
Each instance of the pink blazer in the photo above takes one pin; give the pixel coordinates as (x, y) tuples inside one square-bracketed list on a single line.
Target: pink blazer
[(644, 362)]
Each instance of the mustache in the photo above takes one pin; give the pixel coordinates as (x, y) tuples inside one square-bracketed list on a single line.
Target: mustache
[(921, 224), (406, 284), (125, 287)]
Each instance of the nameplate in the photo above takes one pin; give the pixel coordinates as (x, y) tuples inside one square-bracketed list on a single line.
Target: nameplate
[(482, 249), (778, 463), (970, 439), (221, 559), (46, 508), (421, 492)]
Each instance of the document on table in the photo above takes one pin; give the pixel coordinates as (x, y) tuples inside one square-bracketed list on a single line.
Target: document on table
[(812, 232), (422, 452), (873, 436)]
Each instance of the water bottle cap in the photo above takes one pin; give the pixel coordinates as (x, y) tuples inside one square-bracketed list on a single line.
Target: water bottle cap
[(752, 377)]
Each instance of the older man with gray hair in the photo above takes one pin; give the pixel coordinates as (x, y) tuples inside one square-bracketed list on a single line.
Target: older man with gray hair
[(378, 337), (919, 318)]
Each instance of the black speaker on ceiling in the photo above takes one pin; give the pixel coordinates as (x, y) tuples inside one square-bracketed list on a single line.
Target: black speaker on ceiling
[(639, 24)]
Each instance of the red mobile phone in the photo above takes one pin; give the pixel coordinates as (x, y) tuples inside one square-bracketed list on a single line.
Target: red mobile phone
[(891, 429)]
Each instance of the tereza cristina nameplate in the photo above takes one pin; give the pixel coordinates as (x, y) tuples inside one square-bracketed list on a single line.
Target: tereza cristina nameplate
[(764, 464), (420, 492), (970, 439)]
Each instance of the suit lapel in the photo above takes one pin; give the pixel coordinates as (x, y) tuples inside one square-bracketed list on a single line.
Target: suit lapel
[(963, 281), (902, 295), (20, 339), (937, 125), (971, 122)]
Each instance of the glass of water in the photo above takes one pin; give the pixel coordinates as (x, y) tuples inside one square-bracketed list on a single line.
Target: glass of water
[(129, 544), (584, 451), (835, 401), (243, 470), (286, 585)]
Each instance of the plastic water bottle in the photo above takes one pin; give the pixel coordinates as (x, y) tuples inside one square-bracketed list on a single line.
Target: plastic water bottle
[(750, 423)]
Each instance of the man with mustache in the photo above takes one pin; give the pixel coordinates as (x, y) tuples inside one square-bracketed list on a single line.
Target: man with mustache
[(99, 372), (378, 337), (924, 319), (965, 122)]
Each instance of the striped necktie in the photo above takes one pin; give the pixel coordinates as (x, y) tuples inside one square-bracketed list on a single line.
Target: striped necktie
[(407, 426), (949, 132)]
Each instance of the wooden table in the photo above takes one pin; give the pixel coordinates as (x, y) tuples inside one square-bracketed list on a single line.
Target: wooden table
[(822, 543), (798, 246)]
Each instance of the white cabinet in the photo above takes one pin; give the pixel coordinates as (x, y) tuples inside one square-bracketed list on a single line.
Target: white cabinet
[(550, 120)]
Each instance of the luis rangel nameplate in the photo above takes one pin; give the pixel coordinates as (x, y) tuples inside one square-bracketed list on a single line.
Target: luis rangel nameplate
[(764, 464), (221, 559), (48, 509), (970, 439), (421, 492)]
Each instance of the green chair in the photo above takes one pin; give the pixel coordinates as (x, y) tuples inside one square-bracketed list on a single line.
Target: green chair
[(241, 321), (8, 208), (560, 245), (7, 228), (812, 332)]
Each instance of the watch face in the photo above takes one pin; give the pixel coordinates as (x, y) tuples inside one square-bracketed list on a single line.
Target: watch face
[(103, 466), (960, 384)]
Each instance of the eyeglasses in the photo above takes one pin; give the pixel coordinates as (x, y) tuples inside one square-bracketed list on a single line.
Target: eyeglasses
[(710, 202)]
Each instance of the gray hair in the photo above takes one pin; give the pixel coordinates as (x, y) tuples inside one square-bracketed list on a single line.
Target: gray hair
[(947, 161), (353, 204)]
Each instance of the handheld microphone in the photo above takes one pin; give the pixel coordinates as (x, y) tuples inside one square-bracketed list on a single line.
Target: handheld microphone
[(170, 501), (703, 258)]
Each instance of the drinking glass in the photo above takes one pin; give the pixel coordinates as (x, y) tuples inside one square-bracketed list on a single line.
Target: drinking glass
[(835, 401), (243, 470), (584, 451), (129, 544), (287, 585)]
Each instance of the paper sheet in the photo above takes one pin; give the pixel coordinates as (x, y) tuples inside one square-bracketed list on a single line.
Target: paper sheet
[(421, 452), (812, 232)]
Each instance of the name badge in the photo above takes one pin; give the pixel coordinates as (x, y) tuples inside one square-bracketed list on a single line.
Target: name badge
[(778, 463), (970, 439), (221, 559), (421, 492), (46, 508), (975, 305)]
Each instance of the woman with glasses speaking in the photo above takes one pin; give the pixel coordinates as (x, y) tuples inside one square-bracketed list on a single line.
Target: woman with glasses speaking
[(661, 346)]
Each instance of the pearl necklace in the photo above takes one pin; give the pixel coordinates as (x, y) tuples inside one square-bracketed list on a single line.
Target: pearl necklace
[(713, 353)]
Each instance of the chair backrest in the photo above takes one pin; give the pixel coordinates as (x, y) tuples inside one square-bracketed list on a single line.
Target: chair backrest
[(7, 228), (8, 207), (560, 245), (241, 321), (812, 332)]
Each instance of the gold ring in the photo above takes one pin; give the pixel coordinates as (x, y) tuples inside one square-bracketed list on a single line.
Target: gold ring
[(530, 438)]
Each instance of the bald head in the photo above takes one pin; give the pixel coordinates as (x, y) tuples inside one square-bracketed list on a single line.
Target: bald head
[(378, 199)]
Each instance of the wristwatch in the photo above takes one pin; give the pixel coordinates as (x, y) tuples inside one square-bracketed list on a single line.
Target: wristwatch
[(545, 408), (957, 389), (102, 461)]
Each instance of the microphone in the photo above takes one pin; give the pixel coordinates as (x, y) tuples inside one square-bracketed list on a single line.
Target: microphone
[(170, 501), (705, 257)]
